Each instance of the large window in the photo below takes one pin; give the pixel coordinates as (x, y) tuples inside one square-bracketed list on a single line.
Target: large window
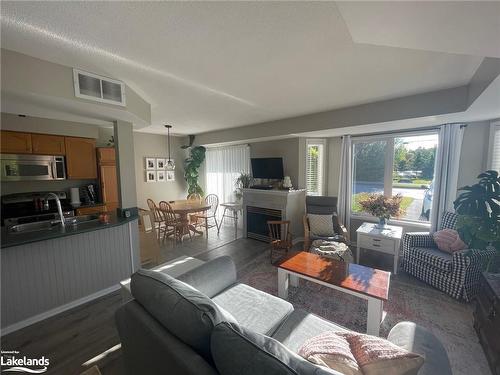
[(315, 154), (396, 165)]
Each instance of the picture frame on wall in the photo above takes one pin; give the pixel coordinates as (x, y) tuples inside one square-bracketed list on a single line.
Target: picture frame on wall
[(170, 176), (160, 163), (160, 176), (150, 176), (150, 164)]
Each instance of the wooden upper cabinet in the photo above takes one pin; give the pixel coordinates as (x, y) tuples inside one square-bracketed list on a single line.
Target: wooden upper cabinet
[(15, 142), (48, 144), (106, 155), (109, 184), (80, 158)]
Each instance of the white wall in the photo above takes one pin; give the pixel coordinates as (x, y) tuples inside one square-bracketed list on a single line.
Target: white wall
[(154, 145), (474, 154)]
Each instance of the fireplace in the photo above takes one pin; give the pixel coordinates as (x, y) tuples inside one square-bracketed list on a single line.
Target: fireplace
[(257, 218)]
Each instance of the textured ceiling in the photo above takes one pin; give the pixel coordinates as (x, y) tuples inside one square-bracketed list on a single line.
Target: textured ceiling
[(214, 65)]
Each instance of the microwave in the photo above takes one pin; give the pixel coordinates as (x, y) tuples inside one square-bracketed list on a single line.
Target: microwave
[(32, 167)]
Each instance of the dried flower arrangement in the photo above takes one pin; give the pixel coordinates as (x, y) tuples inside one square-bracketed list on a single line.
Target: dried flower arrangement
[(382, 207)]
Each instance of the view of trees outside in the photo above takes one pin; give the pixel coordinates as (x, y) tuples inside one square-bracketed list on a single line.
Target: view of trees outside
[(413, 172)]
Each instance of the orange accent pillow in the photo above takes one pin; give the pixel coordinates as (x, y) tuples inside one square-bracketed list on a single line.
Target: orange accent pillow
[(448, 240)]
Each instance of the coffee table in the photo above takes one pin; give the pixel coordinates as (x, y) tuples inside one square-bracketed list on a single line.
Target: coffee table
[(360, 281)]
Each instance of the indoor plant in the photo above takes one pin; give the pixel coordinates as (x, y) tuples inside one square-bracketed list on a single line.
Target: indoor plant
[(242, 182), (192, 169), (381, 206), (478, 209)]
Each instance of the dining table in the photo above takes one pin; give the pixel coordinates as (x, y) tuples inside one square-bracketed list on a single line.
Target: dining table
[(184, 208)]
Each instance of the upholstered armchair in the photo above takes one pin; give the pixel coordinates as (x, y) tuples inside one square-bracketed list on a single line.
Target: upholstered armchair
[(323, 206), (456, 274)]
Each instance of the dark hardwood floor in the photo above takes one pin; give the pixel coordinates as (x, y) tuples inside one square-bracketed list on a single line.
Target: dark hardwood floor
[(85, 336)]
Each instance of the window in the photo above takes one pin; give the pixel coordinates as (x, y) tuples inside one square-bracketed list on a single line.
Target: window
[(315, 154), (494, 149), (223, 166), (391, 165)]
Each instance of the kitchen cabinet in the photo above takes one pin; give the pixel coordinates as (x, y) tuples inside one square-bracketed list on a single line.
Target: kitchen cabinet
[(108, 179), (45, 144), (15, 142), (80, 158)]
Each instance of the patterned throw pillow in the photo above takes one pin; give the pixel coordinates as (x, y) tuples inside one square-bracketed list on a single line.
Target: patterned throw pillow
[(448, 240), (354, 353), (321, 225)]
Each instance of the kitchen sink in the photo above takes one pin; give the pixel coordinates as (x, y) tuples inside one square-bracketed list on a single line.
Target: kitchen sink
[(51, 224)]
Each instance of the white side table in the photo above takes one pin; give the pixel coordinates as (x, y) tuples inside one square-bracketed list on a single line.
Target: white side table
[(385, 240)]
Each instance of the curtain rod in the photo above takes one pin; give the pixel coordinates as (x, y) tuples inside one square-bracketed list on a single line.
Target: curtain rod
[(389, 132)]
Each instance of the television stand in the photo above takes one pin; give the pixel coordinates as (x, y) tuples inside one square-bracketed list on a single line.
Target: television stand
[(262, 187)]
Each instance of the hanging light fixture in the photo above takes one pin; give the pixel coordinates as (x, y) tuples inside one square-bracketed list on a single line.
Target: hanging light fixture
[(170, 163)]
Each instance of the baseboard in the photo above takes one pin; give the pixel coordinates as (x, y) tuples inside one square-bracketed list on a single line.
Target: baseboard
[(57, 310)]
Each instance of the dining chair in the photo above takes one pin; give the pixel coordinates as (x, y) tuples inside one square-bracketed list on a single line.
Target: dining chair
[(173, 226), (279, 235), (157, 219), (213, 201)]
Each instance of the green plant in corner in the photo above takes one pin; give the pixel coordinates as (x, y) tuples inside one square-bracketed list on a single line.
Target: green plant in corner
[(242, 182), (478, 209), (192, 169)]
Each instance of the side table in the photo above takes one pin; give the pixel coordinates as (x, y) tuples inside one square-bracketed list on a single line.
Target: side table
[(385, 240)]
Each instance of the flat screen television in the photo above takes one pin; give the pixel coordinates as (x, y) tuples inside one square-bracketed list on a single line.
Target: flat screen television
[(271, 168)]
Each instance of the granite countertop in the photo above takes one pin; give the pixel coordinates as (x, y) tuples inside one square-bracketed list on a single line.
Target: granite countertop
[(9, 239)]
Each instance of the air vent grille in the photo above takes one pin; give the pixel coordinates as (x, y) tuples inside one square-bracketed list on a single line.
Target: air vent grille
[(98, 88)]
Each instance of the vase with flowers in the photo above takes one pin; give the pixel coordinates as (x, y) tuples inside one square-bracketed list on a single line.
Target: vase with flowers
[(382, 207)]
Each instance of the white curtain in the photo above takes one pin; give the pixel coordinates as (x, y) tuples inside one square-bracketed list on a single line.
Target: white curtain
[(446, 175), (223, 166), (344, 198)]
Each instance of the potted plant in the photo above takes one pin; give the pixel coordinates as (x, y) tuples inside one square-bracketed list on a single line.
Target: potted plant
[(382, 207), (192, 169), (242, 182), (478, 222)]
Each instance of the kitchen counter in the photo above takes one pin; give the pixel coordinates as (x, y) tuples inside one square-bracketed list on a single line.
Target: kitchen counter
[(9, 239)]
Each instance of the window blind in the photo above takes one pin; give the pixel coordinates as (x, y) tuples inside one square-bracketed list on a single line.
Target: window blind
[(495, 148), (314, 168)]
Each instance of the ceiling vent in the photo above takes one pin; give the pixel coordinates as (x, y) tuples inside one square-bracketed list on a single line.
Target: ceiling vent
[(98, 88)]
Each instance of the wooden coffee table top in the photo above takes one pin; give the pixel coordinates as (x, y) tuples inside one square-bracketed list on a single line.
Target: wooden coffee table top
[(361, 279)]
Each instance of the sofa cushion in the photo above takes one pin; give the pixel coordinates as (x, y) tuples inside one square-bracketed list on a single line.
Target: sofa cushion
[(256, 310), (240, 351), (301, 326), (181, 309), (432, 257)]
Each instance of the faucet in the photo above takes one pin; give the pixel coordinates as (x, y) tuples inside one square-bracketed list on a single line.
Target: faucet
[(58, 203)]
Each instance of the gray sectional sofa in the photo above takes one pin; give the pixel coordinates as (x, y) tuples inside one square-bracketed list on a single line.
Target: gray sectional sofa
[(205, 322)]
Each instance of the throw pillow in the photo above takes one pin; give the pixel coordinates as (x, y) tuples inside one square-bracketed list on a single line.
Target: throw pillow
[(331, 350), (355, 353), (321, 225), (240, 351), (448, 240)]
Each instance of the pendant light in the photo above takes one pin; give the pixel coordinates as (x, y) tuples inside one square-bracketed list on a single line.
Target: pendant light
[(170, 163)]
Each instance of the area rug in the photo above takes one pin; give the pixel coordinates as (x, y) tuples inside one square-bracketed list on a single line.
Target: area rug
[(409, 300)]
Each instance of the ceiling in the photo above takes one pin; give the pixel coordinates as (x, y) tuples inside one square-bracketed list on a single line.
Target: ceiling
[(205, 66)]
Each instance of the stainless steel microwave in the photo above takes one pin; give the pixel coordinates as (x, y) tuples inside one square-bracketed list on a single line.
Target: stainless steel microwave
[(32, 167)]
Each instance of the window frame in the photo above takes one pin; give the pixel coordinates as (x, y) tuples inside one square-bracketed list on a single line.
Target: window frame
[(494, 127), (389, 160), (322, 184)]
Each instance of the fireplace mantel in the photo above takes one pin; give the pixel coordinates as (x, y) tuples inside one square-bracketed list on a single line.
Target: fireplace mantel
[(280, 204)]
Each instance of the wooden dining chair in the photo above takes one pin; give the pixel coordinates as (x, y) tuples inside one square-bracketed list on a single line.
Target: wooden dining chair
[(213, 201), (173, 226), (279, 235), (157, 219)]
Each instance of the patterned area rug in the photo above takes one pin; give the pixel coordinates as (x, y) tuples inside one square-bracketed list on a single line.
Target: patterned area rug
[(409, 299)]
